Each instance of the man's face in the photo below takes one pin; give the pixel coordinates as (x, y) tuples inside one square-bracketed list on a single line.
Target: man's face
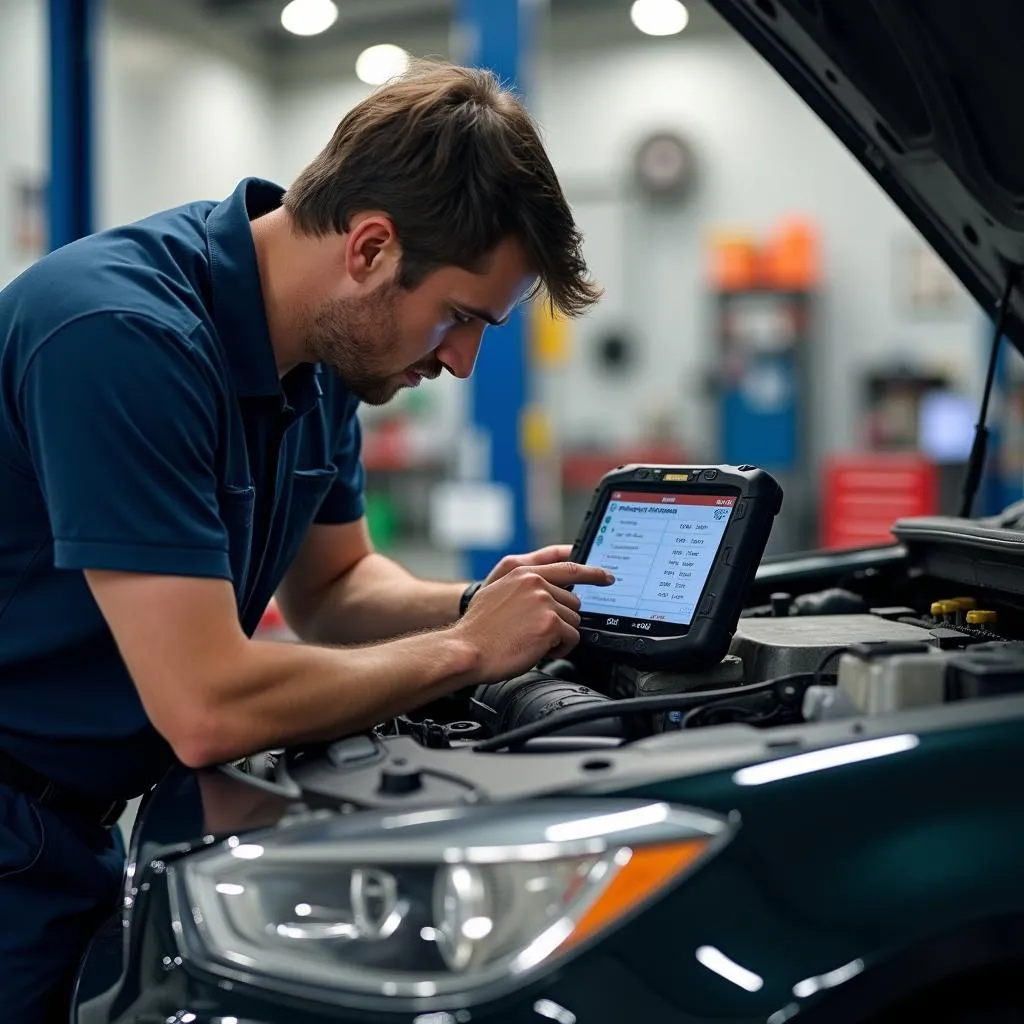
[(390, 337)]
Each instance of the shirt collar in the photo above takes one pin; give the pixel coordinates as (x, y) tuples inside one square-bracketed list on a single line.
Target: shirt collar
[(238, 311)]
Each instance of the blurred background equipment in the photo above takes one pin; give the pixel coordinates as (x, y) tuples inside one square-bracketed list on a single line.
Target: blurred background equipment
[(764, 296)]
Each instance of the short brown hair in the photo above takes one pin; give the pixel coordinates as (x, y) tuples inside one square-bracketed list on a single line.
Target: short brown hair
[(457, 163)]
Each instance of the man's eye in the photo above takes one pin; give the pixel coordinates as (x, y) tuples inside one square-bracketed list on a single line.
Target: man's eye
[(458, 317)]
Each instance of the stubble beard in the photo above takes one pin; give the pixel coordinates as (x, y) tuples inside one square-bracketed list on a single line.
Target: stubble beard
[(358, 339)]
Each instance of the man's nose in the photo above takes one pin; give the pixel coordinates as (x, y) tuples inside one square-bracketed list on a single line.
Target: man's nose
[(457, 353)]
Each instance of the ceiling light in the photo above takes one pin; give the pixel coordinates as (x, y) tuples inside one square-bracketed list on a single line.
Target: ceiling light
[(309, 17), (377, 64), (659, 17)]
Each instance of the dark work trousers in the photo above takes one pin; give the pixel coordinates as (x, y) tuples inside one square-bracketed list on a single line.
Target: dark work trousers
[(60, 877)]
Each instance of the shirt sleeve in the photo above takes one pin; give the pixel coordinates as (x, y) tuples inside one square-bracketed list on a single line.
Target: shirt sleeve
[(120, 422), (345, 502)]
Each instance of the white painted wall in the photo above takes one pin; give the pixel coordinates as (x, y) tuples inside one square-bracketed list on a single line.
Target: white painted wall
[(23, 146), (179, 119)]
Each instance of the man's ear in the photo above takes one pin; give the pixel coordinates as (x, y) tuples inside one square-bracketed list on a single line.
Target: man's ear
[(371, 248)]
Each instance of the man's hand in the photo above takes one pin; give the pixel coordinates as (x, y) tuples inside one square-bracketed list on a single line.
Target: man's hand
[(525, 615), (542, 556)]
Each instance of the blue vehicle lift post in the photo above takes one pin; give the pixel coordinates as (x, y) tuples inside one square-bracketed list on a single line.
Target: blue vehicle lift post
[(499, 31), (72, 35)]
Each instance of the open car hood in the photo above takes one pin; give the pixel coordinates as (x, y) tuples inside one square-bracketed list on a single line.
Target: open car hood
[(927, 95)]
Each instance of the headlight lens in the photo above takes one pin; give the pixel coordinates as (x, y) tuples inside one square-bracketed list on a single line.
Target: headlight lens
[(426, 906)]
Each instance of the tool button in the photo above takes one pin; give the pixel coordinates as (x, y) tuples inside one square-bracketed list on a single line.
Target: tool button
[(707, 605), (740, 510), (710, 474)]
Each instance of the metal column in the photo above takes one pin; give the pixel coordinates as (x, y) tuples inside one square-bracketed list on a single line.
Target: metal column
[(497, 32), (72, 30)]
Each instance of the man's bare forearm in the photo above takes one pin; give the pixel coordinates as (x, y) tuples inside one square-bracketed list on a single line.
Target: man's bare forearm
[(376, 600), (279, 694)]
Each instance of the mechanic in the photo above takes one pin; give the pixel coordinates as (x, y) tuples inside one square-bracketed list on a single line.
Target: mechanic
[(178, 442)]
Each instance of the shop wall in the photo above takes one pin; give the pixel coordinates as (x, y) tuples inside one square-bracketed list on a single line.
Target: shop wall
[(23, 147), (182, 115)]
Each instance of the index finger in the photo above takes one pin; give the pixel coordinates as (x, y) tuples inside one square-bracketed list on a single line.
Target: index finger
[(550, 555), (564, 574)]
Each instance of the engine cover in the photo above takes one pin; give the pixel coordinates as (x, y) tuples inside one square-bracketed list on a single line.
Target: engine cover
[(777, 647)]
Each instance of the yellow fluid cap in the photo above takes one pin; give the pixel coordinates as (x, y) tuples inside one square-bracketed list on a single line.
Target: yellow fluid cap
[(944, 608), (965, 604), (981, 617)]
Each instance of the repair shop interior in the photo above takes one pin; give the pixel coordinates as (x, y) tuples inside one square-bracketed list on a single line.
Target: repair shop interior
[(767, 769)]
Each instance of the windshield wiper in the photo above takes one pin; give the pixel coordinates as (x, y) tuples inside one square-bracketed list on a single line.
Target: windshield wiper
[(979, 449)]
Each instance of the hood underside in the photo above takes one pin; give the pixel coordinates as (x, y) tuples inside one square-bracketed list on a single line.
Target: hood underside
[(929, 96)]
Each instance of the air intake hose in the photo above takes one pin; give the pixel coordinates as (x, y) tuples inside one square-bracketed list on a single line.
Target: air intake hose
[(534, 696)]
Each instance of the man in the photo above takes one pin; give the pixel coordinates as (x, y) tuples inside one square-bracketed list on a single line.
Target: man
[(178, 442)]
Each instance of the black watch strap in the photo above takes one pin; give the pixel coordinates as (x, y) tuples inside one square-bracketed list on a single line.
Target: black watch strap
[(467, 595)]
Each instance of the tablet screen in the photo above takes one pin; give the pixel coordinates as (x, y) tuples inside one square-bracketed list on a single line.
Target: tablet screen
[(660, 547)]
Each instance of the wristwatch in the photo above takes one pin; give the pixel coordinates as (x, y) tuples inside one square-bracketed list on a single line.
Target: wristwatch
[(467, 595)]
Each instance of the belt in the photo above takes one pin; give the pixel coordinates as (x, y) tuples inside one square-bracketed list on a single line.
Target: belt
[(56, 797)]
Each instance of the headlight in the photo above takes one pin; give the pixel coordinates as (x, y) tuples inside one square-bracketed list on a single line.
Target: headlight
[(422, 907)]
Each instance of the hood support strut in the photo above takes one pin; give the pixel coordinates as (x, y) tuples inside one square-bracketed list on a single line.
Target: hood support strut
[(979, 449)]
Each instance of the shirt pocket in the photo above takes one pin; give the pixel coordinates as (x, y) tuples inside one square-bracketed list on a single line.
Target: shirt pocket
[(236, 506), (308, 489), (301, 496)]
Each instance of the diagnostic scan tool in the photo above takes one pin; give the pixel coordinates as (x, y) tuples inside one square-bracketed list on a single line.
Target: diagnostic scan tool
[(683, 544)]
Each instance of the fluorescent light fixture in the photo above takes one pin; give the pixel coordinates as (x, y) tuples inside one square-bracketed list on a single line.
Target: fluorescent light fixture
[(309, 17), (715, 960), (659, 17), (377, 64), (819, 760)]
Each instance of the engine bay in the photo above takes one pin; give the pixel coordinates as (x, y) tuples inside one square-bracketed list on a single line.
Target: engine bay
[(811, 649), (862, 645), (784, 667), (807, 639)]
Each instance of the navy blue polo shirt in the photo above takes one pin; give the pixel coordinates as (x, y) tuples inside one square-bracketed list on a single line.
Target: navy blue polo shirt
[(143, 427)]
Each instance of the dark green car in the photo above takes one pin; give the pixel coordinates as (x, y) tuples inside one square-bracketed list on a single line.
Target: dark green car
[(826, 826)]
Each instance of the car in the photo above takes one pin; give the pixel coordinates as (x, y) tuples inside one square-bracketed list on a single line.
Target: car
[(808, 808)]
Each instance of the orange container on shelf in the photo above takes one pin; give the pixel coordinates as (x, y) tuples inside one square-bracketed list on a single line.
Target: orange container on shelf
[(791, 259), (734, 262)]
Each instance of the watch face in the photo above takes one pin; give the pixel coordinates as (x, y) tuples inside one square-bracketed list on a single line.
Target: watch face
[(664, 164)]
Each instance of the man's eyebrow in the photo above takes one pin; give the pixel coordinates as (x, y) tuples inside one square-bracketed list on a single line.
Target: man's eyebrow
[(482, 314)]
